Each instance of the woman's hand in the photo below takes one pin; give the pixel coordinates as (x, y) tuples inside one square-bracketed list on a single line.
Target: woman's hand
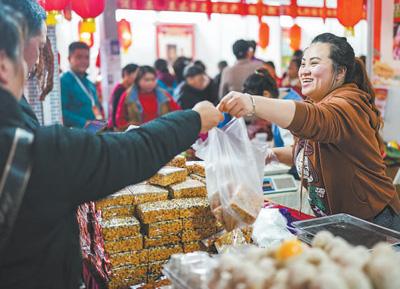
[(210, 116), (237, 104)]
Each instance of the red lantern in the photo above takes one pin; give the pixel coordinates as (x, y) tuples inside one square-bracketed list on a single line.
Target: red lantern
[(85, 36), (263, 35), (53, 8), (295, 37), (124, 34), (88, 10), (349, 13)]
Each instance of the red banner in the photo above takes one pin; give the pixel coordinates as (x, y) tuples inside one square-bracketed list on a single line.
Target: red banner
[(227, 8)]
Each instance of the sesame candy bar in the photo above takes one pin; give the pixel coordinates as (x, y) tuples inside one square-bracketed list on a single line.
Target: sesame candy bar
[(161, 240), (198, 223), (178, 161), (196, 167), (117, 211), (136, 274), (193, 207), (119, 228), (155, 268), (162, 228), (123, 245), (168, 176), (197, 234), (134, 258), (123, 197), (163, 253), (158, 211), (145, 193), (191, 247), (188, 189), (198, 178)]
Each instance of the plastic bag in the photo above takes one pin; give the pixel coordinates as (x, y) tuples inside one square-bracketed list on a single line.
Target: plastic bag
[(270, 228), (234, 172)]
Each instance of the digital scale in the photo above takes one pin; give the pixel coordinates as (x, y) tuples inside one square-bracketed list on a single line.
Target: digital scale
[(277, 180)]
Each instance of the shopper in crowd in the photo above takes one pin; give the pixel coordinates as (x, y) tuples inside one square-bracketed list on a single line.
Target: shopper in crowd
[(69, 167), (270, 66), (252, 51), (262, 83), (298, 54), (165, 79), (35, 17), (233, 77), (338, 152), (221, 66), (196, 88), (144, 102), (291, 79), (179, 66), (80, 104), (129, 73)]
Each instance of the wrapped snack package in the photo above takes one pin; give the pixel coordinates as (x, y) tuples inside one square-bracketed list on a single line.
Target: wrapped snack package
[(117, 211), (163, 253), (188, 189), (158, 211), (168, 176), (196, 167), (178, 161), (119, 228), (145, 193), (234, 171), (162, 228), (134, 258), (161, 240), (123, 197), (123, 245)]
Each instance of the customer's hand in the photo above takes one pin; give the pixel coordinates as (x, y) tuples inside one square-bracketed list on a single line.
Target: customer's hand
[(237, 104), (210, 116)]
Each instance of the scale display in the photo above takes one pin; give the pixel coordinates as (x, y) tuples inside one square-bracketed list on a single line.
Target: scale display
[(279, 184)]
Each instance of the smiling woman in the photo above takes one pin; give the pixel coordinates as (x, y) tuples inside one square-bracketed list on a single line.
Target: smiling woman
[(339, 113)]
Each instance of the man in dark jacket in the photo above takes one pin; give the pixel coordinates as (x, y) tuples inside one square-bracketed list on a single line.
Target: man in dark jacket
[(70, 167), (197, 87), (35, 17)]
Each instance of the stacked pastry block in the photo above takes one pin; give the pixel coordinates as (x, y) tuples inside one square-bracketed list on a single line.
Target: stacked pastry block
[(144, 224)]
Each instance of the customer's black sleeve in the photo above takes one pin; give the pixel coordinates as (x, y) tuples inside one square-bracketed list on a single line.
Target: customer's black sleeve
[(74, 166)]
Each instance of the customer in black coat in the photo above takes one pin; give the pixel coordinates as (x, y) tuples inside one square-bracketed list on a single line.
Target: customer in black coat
[(35, 17), (70, 167), (197, 87)]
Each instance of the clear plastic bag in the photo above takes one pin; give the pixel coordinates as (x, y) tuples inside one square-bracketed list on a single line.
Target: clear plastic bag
[(234, 173)]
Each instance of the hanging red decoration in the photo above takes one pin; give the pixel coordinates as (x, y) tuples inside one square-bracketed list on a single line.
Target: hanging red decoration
[(349, 13), (295, 37), (88, 10), (124, 34), (209, 9), (85, 36), (53, 9), (263, 35), (260, 8)]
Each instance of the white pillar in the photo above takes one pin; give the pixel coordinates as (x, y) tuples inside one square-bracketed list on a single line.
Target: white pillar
[(109, 51)]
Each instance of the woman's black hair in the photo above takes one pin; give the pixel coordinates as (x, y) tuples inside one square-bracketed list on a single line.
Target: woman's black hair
[(259, 82), (12, 32), (161, 65), (32, 12), (343, 57), (142, 72), (179, 66), (129, 68), (192, 70)]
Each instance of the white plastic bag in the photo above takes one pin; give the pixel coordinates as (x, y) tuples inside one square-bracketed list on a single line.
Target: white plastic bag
[(234, 172)]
